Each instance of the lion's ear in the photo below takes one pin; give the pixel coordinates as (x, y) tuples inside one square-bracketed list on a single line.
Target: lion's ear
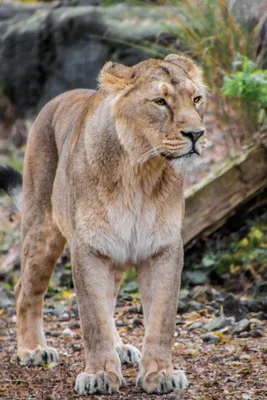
[(186, 64), (114, 77)]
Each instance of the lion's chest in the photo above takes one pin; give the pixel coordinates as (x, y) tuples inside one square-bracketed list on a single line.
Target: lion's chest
[(136, 231)]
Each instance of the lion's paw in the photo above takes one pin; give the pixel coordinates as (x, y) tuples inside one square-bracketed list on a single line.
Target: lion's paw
[(40, 355), (102, 383), (162, 382), (128, 354)]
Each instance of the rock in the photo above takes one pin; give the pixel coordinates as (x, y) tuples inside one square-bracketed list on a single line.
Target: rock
[(64, 317), (247, 11), (204, 294), (54, 334), (66, 279), (251, 305), (68, 333), (261, 40), (199, 293), (218, 323), (256, 333), (194, 306), (261, 291), (76, 347), (75, 325), (124, 297), (137, 322), (182, 307), (67, 46), (57, 310), (131, 287), (195, 325), (262, 316), (232, 307), (241, 326), (215, 305), (119, 304), (196, 277), (184, 294), (211, 338), (6, 301)]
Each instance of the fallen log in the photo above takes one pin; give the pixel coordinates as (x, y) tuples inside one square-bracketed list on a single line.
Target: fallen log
[(209, 204)]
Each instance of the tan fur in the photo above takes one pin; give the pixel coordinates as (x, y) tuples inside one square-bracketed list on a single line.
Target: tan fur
[(97, 175)]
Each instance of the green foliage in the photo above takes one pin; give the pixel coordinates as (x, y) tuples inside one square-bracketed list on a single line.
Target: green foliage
[(249, 84), (14, 157), (129, 284), (246, 254)]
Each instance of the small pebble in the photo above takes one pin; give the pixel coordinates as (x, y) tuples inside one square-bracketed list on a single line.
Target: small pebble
[(68, 332), (137, 322), (76, 347), (241, 326), (64, 317), (75, 325), (256, 334), (195, 325), (210, 338), (54, 334)]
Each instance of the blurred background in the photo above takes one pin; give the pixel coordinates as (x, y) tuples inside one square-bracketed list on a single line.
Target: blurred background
[(48, 47)]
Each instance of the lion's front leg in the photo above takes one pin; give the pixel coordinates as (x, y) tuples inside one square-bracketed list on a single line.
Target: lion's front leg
[(94, 286), (159, 280)]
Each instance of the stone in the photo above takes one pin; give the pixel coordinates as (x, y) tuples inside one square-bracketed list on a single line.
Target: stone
[(64, 317), (251, 305), (204, 294), (195, 325), (262, 316), (256, 333), (75, 325), (196, 277), (232, 307), (66, 279), (182, 307), (247, 11), (67, 46), (54, 334), (76, 347), (215, 305), (137, 322), (194, 306), (261, 291), (68, 332), (56, 311), (218, 323), (184, 294), (241, 326), (211, 338)]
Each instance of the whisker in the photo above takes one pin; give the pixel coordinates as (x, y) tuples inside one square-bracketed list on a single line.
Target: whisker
[(148, 154)]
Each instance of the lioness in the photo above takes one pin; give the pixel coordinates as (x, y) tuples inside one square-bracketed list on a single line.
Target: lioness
[(103, 171)]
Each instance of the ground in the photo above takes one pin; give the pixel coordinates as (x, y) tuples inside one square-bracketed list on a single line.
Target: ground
[(235, 368)]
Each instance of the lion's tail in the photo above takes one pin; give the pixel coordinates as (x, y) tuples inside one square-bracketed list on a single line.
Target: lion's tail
[(11, 183)]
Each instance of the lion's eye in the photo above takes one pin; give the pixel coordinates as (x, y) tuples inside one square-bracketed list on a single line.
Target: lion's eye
[(197, 99), (160, 102)]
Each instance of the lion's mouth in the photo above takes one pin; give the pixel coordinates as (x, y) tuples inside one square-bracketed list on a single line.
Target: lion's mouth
[(173, 156)]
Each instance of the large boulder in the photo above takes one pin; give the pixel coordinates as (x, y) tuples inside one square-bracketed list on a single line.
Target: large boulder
[(47, 50)]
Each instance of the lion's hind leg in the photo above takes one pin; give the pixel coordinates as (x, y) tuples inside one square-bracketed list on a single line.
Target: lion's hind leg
[(42, 245)]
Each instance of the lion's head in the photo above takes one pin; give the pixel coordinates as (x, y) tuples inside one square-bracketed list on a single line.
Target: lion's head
[(159, 106)]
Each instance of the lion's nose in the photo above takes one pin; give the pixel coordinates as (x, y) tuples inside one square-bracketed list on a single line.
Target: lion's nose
[(193, 135)]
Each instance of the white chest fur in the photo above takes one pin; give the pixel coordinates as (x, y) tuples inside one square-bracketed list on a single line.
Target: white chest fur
[(136, 231)]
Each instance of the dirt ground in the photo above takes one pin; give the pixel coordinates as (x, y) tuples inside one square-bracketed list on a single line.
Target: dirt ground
[(235, 368)]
